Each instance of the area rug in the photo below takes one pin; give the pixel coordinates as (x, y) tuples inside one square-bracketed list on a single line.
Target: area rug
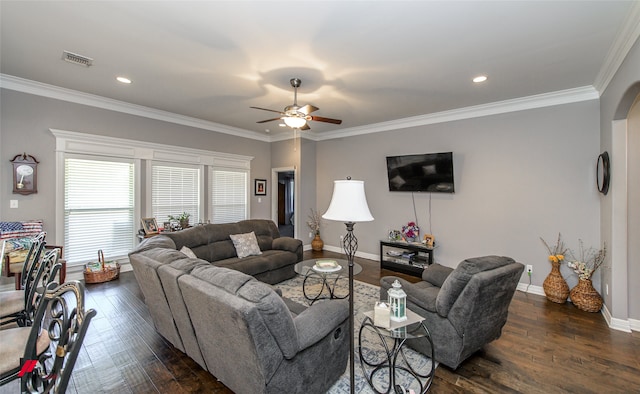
[(365, 297)]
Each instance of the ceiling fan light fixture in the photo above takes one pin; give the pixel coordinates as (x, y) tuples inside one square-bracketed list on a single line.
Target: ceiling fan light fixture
[(295, 122)]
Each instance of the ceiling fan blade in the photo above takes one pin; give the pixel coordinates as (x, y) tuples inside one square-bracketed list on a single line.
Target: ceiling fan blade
[(270, 110), (307, 109), (327, 120), (268, 120)]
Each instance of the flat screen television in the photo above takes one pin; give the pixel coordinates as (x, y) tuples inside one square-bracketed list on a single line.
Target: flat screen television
[(429, 172)]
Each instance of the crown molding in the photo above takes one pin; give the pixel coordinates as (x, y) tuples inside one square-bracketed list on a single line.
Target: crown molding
[(55, 92), (524, 103), (568, 96), (625, 39)]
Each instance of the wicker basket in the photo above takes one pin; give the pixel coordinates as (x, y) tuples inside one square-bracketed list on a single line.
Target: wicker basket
[(555, 287), (105, 275), (585, 297)]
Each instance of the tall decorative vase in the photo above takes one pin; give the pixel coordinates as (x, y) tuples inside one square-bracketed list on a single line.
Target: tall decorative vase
[(317, 244), (585, 297), (555, 287)]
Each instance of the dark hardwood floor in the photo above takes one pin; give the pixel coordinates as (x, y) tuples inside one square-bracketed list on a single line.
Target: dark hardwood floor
[(544, 348)]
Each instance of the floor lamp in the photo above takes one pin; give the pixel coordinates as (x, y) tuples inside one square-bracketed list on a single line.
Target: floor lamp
[(349, 205)]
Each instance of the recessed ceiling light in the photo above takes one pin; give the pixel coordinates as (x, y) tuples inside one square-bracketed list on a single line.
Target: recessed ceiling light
[(267, 130), (123, 80), (480, 78), (282, 125)]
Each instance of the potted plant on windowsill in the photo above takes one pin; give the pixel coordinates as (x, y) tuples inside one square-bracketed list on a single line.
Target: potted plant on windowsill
[(183, 219)]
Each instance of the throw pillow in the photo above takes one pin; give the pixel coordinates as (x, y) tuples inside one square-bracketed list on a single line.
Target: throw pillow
[(245, 244), (188, 252)]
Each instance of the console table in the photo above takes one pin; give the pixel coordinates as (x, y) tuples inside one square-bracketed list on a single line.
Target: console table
[(405, 257)]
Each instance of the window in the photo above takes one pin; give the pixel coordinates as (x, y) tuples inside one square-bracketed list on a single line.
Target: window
[(98, 208), (229, 191), (175, 189)]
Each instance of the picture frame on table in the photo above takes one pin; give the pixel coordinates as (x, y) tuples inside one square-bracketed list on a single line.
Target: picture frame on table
[(149, 225), (260, 187)]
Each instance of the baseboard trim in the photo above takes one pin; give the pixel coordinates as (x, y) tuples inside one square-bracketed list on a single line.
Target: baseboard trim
[(531, 289), (634, 325), (615, 323)]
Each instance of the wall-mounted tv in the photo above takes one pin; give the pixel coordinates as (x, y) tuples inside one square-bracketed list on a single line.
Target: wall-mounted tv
[(429, 172)]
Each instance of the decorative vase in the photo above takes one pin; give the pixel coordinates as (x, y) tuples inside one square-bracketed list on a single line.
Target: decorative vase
[(555, 287), (184, 223), (317, 244), (585, 297)]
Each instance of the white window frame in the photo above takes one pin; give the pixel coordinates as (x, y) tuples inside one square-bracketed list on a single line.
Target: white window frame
[(90, 145)]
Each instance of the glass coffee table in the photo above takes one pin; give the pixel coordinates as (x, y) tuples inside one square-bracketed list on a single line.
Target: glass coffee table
[(320, 280)]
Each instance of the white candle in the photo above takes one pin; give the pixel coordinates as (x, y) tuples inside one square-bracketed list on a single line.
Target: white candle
[(381, 316)]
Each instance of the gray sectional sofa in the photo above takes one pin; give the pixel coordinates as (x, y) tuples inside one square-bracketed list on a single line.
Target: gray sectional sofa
[(232, 324), (211, 242)]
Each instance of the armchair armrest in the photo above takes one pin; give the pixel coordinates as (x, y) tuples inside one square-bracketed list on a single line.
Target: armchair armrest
[(319, 320), (287, 243), (436, 274)]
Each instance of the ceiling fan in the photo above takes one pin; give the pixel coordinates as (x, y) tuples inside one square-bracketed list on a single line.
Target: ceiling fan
[(296, 116)]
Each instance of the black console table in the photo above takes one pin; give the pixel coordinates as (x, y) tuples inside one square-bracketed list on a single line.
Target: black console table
[(405, 257)]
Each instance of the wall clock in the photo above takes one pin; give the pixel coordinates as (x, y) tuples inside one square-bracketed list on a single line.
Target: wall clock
[(25, 174), (603, 173)]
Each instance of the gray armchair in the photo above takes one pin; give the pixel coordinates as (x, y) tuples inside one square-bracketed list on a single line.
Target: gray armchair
[(464, 308)]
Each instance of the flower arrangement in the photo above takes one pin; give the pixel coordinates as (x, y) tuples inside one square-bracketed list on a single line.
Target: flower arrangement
[(314, 222), (588, 262), (411, 230), (557, 252)]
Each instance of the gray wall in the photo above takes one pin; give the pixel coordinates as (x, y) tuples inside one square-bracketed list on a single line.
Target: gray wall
[(25, 123), (518, 176), (301, 154), (615, 103)]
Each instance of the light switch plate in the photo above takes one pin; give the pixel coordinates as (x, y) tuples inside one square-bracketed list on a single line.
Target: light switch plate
[(13, 203)]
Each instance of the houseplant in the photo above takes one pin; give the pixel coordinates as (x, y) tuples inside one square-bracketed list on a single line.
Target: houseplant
[(584, 296), (555, 287), (183, 219), (410, 231), (314, 224)]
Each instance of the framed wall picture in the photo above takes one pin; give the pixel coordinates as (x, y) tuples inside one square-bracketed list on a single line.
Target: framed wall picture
[(149, 225), (261, 187)]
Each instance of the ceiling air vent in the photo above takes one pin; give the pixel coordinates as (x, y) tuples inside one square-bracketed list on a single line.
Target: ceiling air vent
[(76, 59)]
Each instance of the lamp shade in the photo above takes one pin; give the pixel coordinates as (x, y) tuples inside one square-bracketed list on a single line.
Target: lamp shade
[(348, 203), (295, 122)]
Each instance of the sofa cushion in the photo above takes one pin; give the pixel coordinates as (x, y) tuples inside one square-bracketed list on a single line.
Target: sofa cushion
[(458, 279), (188, 252), (245, 244)]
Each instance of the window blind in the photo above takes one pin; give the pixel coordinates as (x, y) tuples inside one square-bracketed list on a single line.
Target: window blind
[(175, 190), (228, 195), (98, 209)]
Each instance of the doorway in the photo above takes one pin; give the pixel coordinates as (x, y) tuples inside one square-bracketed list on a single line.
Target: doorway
[(283, 210)]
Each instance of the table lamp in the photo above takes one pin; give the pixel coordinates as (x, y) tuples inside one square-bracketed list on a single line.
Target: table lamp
[(349, 205)]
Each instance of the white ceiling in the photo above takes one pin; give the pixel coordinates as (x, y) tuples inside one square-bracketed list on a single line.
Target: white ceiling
[(360, 61)]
